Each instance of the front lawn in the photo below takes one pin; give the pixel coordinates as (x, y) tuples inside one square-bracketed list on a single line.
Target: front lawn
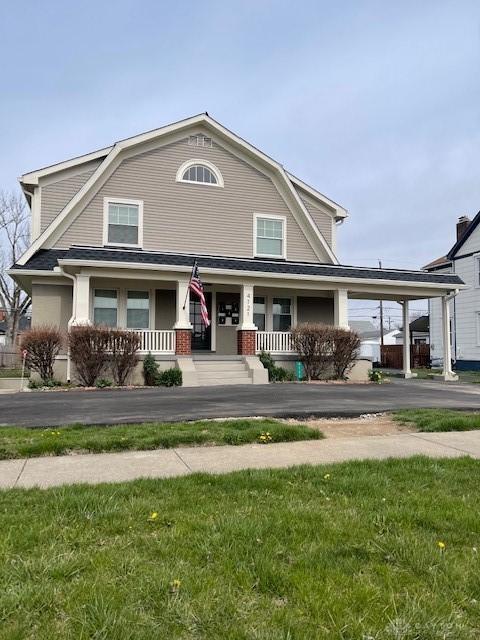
[(20, 442), (384, 550), (439, 419)]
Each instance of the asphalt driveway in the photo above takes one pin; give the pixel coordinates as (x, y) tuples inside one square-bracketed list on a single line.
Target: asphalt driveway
[(280, 400)]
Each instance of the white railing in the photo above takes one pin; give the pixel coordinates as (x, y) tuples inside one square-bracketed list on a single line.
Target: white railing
[(156, 341), (274, 342)]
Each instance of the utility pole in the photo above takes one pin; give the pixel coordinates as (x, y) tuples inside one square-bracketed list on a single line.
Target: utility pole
[(381, 313)]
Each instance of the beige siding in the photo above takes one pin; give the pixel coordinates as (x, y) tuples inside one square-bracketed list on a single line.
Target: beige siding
[(56, 195), (165, 309), (314, 310), (187, 217), (52, 306), (322, 219)]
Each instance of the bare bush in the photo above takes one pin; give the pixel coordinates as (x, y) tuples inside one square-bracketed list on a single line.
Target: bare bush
[(346, 346), (42, 345), (325, 351), (314, 343), (89, 351), (123, 353)]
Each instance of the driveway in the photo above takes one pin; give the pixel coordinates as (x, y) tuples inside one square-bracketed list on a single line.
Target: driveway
[(280, 400)]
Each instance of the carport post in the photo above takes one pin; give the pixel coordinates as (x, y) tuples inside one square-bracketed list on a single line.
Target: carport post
[(407, 372), (447, 373)]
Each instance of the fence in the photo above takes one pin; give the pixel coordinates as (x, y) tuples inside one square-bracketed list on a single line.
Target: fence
[(392, 356), (9, 359)]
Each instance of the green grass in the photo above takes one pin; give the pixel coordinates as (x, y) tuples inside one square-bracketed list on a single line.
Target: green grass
[(19, 442), (425, 374), (439, 419), (13, 373), (261, 555)]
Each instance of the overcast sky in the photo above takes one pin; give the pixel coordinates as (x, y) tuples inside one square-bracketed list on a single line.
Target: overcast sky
[(376, 104)]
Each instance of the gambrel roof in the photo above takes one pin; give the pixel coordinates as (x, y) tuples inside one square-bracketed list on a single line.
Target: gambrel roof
[(110, 158)]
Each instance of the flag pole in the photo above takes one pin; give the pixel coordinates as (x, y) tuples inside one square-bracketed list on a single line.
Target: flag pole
[(188, 288)]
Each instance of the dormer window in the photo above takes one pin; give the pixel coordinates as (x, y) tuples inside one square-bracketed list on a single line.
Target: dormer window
[(200, 172)]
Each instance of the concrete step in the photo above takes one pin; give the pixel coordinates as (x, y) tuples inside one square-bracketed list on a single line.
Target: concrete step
[(219, 366), (215, 375), (210, 382)]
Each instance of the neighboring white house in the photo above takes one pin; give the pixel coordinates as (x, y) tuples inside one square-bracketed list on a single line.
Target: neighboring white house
[(419, 331), (370, 338), (463, 259)]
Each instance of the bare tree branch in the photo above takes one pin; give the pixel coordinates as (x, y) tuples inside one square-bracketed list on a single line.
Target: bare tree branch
[(14, 236)]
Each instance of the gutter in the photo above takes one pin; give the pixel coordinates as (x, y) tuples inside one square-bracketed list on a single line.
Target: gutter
[(72, 318)]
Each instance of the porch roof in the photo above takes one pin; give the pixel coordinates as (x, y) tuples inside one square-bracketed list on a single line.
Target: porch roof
[(47, 260)]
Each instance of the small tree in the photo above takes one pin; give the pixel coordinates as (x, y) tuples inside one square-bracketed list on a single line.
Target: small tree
[(42, 345), (150, 370), (346, 346), (123, 357), (314, 344), (89, 347)]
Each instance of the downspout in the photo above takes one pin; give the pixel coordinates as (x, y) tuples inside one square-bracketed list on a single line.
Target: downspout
[(72, 318)]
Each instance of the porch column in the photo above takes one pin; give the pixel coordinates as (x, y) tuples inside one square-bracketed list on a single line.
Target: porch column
[(340, 308), (81, 311), (447, 372), (182, 326), (246, 330)]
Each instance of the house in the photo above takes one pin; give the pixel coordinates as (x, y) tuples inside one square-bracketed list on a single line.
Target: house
[(24, 324), (419, 331), (370, 338), (115, 232), (463, 260)]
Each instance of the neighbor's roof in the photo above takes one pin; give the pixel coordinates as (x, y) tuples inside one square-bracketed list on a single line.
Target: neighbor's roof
[(48, 259), (439, 263), (421, 323)]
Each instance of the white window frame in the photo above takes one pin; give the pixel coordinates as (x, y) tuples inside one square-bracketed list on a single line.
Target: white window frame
[(190, 163), (269, 216), (149, 293), (106, 204), (92, 303), (476, 271)]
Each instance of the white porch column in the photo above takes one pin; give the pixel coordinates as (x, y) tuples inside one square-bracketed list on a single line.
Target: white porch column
[(407, 372), (246, 308), (81, 310), (182, 318), (340, 308), (447, 372)]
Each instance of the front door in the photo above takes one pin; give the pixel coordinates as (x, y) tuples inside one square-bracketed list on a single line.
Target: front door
[(201, 335)]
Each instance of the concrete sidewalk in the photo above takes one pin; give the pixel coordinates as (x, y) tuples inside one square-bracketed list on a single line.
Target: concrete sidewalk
[(165, 463)]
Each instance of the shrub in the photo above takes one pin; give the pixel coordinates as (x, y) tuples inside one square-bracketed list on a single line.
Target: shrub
[(346, 345), (150, 370), (89, 352), (325, 351), (170, 378), (375, 375), (275, 374), (123, 353), (42, 345), (42, 384), (102, 383), (314, 344)]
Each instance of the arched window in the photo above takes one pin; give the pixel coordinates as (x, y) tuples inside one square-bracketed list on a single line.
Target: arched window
[(200, 172)]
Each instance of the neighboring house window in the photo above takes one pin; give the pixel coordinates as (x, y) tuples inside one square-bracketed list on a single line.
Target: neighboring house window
[(282, 314), (259, 309), (200, 172), (138, 310), (270, 236), (123, 222), (105, 307)]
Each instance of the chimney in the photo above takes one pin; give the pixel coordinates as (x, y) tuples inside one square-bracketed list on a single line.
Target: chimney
[(462, 225)]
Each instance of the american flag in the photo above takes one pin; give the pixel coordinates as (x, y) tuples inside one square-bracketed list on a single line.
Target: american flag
[(197, 287)]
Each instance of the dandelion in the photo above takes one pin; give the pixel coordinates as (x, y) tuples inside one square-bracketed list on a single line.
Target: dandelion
[(153, 516), (175, 585), (326, 476), (441, 545), (265, 437)]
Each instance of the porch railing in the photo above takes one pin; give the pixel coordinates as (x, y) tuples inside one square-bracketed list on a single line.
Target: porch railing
[(156, 341), (274, 342)]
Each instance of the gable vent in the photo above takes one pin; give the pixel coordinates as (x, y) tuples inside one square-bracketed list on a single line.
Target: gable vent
[(200, 141)]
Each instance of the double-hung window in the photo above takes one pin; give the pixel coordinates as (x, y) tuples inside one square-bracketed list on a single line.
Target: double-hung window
[(259, 310), (282, 314), (270, 236), (138, 310), (123, 222), (105, 307)]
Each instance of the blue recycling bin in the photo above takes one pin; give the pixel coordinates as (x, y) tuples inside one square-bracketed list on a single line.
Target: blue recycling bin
[(299, 371)]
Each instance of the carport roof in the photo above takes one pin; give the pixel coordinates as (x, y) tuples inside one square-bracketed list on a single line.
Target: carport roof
[(47, 260)]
